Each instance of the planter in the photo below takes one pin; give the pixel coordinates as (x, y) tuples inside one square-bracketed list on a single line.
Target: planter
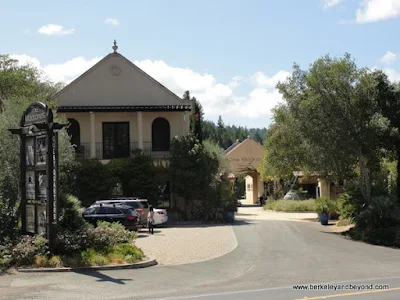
[(323, 218), (230, 216)]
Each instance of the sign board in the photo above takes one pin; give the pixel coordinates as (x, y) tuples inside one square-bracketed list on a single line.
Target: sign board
[(39, 170), (30, 218), (36, 113)]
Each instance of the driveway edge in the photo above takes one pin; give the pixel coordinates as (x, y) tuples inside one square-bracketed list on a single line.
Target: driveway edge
[(138, 265)]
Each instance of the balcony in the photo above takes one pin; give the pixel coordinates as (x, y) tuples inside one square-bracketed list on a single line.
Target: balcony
[(110, 151)]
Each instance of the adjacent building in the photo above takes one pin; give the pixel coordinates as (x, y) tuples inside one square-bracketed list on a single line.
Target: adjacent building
[(115, 108)]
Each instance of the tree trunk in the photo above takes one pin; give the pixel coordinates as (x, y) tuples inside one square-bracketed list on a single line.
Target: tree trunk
[(365, 179)]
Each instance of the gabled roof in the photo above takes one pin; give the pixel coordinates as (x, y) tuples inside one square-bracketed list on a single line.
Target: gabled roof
[(169, 99)]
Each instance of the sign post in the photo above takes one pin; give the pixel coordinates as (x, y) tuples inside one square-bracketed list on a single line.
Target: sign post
[(39, 170)]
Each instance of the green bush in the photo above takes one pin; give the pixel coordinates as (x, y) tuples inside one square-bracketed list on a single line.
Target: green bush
[(28, 247), (328, 206), (6, 256), (8, 221), (378, 223), (291, 205), (70, 213), (109, 234), (344, 222), (91, 257)]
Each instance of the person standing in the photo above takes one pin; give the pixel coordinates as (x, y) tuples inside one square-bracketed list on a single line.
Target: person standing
[(150, 219)]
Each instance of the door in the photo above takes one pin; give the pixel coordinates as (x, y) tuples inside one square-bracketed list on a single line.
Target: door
[(115, 140)]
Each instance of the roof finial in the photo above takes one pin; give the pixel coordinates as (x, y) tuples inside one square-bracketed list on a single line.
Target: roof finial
[(115, 47)]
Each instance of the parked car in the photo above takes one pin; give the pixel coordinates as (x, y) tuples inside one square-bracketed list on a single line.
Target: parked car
[(142, 207), (112, 213)]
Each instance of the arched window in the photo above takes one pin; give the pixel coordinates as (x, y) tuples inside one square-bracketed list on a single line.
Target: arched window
[(74, 132), (160, 135)]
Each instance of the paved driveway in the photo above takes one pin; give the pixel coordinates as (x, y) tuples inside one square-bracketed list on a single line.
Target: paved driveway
[(272, 255), (187, 243)]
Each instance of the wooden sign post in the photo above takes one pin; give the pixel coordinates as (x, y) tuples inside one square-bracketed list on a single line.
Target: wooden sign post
[(39, 170)]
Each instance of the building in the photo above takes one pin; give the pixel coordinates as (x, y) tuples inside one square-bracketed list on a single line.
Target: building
[(245, 157), (115, 108)]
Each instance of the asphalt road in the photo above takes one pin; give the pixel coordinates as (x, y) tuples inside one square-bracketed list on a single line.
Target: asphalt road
[(271, 257)]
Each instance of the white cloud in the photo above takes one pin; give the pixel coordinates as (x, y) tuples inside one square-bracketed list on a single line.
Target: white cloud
[(393, 75), (389, 58), (54, 29), (111, 21), (326, 4), (63, 72), (259, 79), (377, 10), (216, 98)]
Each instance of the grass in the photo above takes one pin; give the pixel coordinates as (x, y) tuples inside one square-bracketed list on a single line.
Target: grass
[(344, 222), (116, 255), (291, 205)]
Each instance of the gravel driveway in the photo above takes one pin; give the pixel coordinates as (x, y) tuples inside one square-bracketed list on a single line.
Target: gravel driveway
[(187, 243)]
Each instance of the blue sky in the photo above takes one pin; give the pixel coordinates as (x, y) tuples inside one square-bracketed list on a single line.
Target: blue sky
[(229, 53)]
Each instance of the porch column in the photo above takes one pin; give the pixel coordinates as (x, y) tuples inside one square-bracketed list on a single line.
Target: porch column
[(140, 129), (92, 135)]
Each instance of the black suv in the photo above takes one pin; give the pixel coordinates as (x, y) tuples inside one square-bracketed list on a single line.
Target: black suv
[(112, 213)]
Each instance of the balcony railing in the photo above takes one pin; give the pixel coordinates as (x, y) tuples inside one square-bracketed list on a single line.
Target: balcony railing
[(110, 151)]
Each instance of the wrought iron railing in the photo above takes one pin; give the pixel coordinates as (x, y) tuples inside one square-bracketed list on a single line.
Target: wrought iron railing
[(110, 151)]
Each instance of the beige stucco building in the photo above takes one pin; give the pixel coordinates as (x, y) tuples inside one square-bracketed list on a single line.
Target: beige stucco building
[(246, 157), (115, 108)]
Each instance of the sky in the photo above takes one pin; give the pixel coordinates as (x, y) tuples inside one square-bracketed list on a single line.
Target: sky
[(229, 54)]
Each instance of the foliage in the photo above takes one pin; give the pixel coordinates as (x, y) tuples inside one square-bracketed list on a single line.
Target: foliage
[(8, 221), (70, 213), (6, 257), (291, 205), (137, 175), (117, 254), (27, 248), (93, 181), (196, 118), (329, 123), (193, 169), (326, 205), (72, 229), (230, 133), (344, 222), (378, 223), (21, 85), (109, 234), (18, 80), (225, 164), (220, 200)]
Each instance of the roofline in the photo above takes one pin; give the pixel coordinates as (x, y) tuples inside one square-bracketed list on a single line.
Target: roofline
[(123, 108), (132, 64)]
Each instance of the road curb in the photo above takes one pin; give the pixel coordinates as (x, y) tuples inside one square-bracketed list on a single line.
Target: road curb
[(138, 265)]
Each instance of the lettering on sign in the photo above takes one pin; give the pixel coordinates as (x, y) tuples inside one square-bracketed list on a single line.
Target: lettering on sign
[(35, 115)]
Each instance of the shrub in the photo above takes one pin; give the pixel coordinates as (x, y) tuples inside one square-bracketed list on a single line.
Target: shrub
[(70, 213), (291, 205), (124, 253), (328, 206), (8, 221), (109, 234), (351, 202), (5, 256), (91, 257), (344, 222), (28, 247), (69, 242), (378, 223)]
